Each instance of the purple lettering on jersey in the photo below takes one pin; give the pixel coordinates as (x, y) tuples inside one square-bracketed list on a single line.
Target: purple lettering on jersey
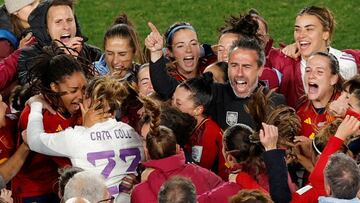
[(131, 152), (93, 156)]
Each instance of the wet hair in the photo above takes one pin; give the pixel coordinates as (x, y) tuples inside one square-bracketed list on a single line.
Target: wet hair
[(334, 67), (200, 88), (243, 25), (52, 66), (250, 44), (177, 190), (238, 142), (19, 96), (160, 140), (65, 175), (108, 90), (123, 28), (250, 196), (353, 84), (342, 175), (170, 32), (325, 16)]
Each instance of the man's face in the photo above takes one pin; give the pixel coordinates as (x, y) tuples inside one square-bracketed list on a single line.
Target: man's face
[(243, 71), (61, 23)]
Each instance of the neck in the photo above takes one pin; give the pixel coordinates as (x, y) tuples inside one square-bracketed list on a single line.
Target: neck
[(199, 119), (322, 102)]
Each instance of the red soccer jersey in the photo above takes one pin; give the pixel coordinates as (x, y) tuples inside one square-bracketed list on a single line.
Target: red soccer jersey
[(205, 145), (7, 140), (311, 121), (39, 173)]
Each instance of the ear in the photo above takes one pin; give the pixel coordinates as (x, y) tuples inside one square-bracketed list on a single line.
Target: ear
[(229, 160), (178, 149), (169, 53), (326, 35), (54, 87), (334, 79), (261, 69), (199, 110)]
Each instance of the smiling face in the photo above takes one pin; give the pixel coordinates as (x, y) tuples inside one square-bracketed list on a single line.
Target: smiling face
[(186, 51), (61, 23), (243, 71), (319, 80), (309, 35), (224, 44), (119, 55), (72, 87)]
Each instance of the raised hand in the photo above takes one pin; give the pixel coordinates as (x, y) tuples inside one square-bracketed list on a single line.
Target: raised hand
[(349, 126), (154, 42), (91, 115), (269, 136), (73, 46), (291, 50)]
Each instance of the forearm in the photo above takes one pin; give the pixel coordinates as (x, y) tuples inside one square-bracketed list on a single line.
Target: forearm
[(10, 168), (278, 175), (162, 82)]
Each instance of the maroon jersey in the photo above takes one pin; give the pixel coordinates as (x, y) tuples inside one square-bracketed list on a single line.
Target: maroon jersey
[(39, 174)]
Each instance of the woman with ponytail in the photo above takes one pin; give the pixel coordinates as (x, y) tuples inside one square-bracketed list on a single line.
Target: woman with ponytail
[(103, 145), (122, 50), (193, 96), (61, 80), (166, 159)]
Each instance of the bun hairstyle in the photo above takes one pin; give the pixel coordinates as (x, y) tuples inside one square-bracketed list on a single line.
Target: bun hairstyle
[(52, 66), (123, 28), (108, 90), (160, 141), (243, 25), (284, 117), (200, 88)]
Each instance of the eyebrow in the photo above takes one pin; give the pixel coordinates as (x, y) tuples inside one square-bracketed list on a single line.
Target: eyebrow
[(145, 79), (193, 40)]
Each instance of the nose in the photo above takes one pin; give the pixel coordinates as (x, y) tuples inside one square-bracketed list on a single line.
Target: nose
[(66, 26), (188, 48), (240, 71)]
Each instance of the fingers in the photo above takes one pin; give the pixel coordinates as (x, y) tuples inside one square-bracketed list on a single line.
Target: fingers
[(153, 28)]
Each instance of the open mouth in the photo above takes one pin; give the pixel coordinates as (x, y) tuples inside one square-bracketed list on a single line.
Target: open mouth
[(241, 83), (313, 88), (75, 105), (304, 45), (189, 61), (65, 38)]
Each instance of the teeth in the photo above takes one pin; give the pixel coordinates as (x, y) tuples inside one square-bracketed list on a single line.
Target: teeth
[(189, 58), (241, 82)]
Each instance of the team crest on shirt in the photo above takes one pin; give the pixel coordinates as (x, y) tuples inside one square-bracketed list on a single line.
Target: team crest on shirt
[(231, 118)]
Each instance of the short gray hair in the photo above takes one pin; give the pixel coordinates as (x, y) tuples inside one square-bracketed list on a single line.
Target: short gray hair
[(86, 184), (250, 44), (343, 176)]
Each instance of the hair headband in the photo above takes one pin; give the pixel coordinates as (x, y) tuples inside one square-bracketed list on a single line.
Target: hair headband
[(170, 35)]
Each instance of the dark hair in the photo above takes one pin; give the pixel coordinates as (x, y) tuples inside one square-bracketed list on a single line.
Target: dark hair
[(256, 15), (182, 124), (160, 141), (65, 175), (169, 34), (250, 44), (243, 25), (238, 142), (250, 196), (334, 67), (177, 190), (325, 16), (356, 93), (200, 88), (353, 84), (52, 66), (343, 176), (108, 90), (123, 28), (69, 3)]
